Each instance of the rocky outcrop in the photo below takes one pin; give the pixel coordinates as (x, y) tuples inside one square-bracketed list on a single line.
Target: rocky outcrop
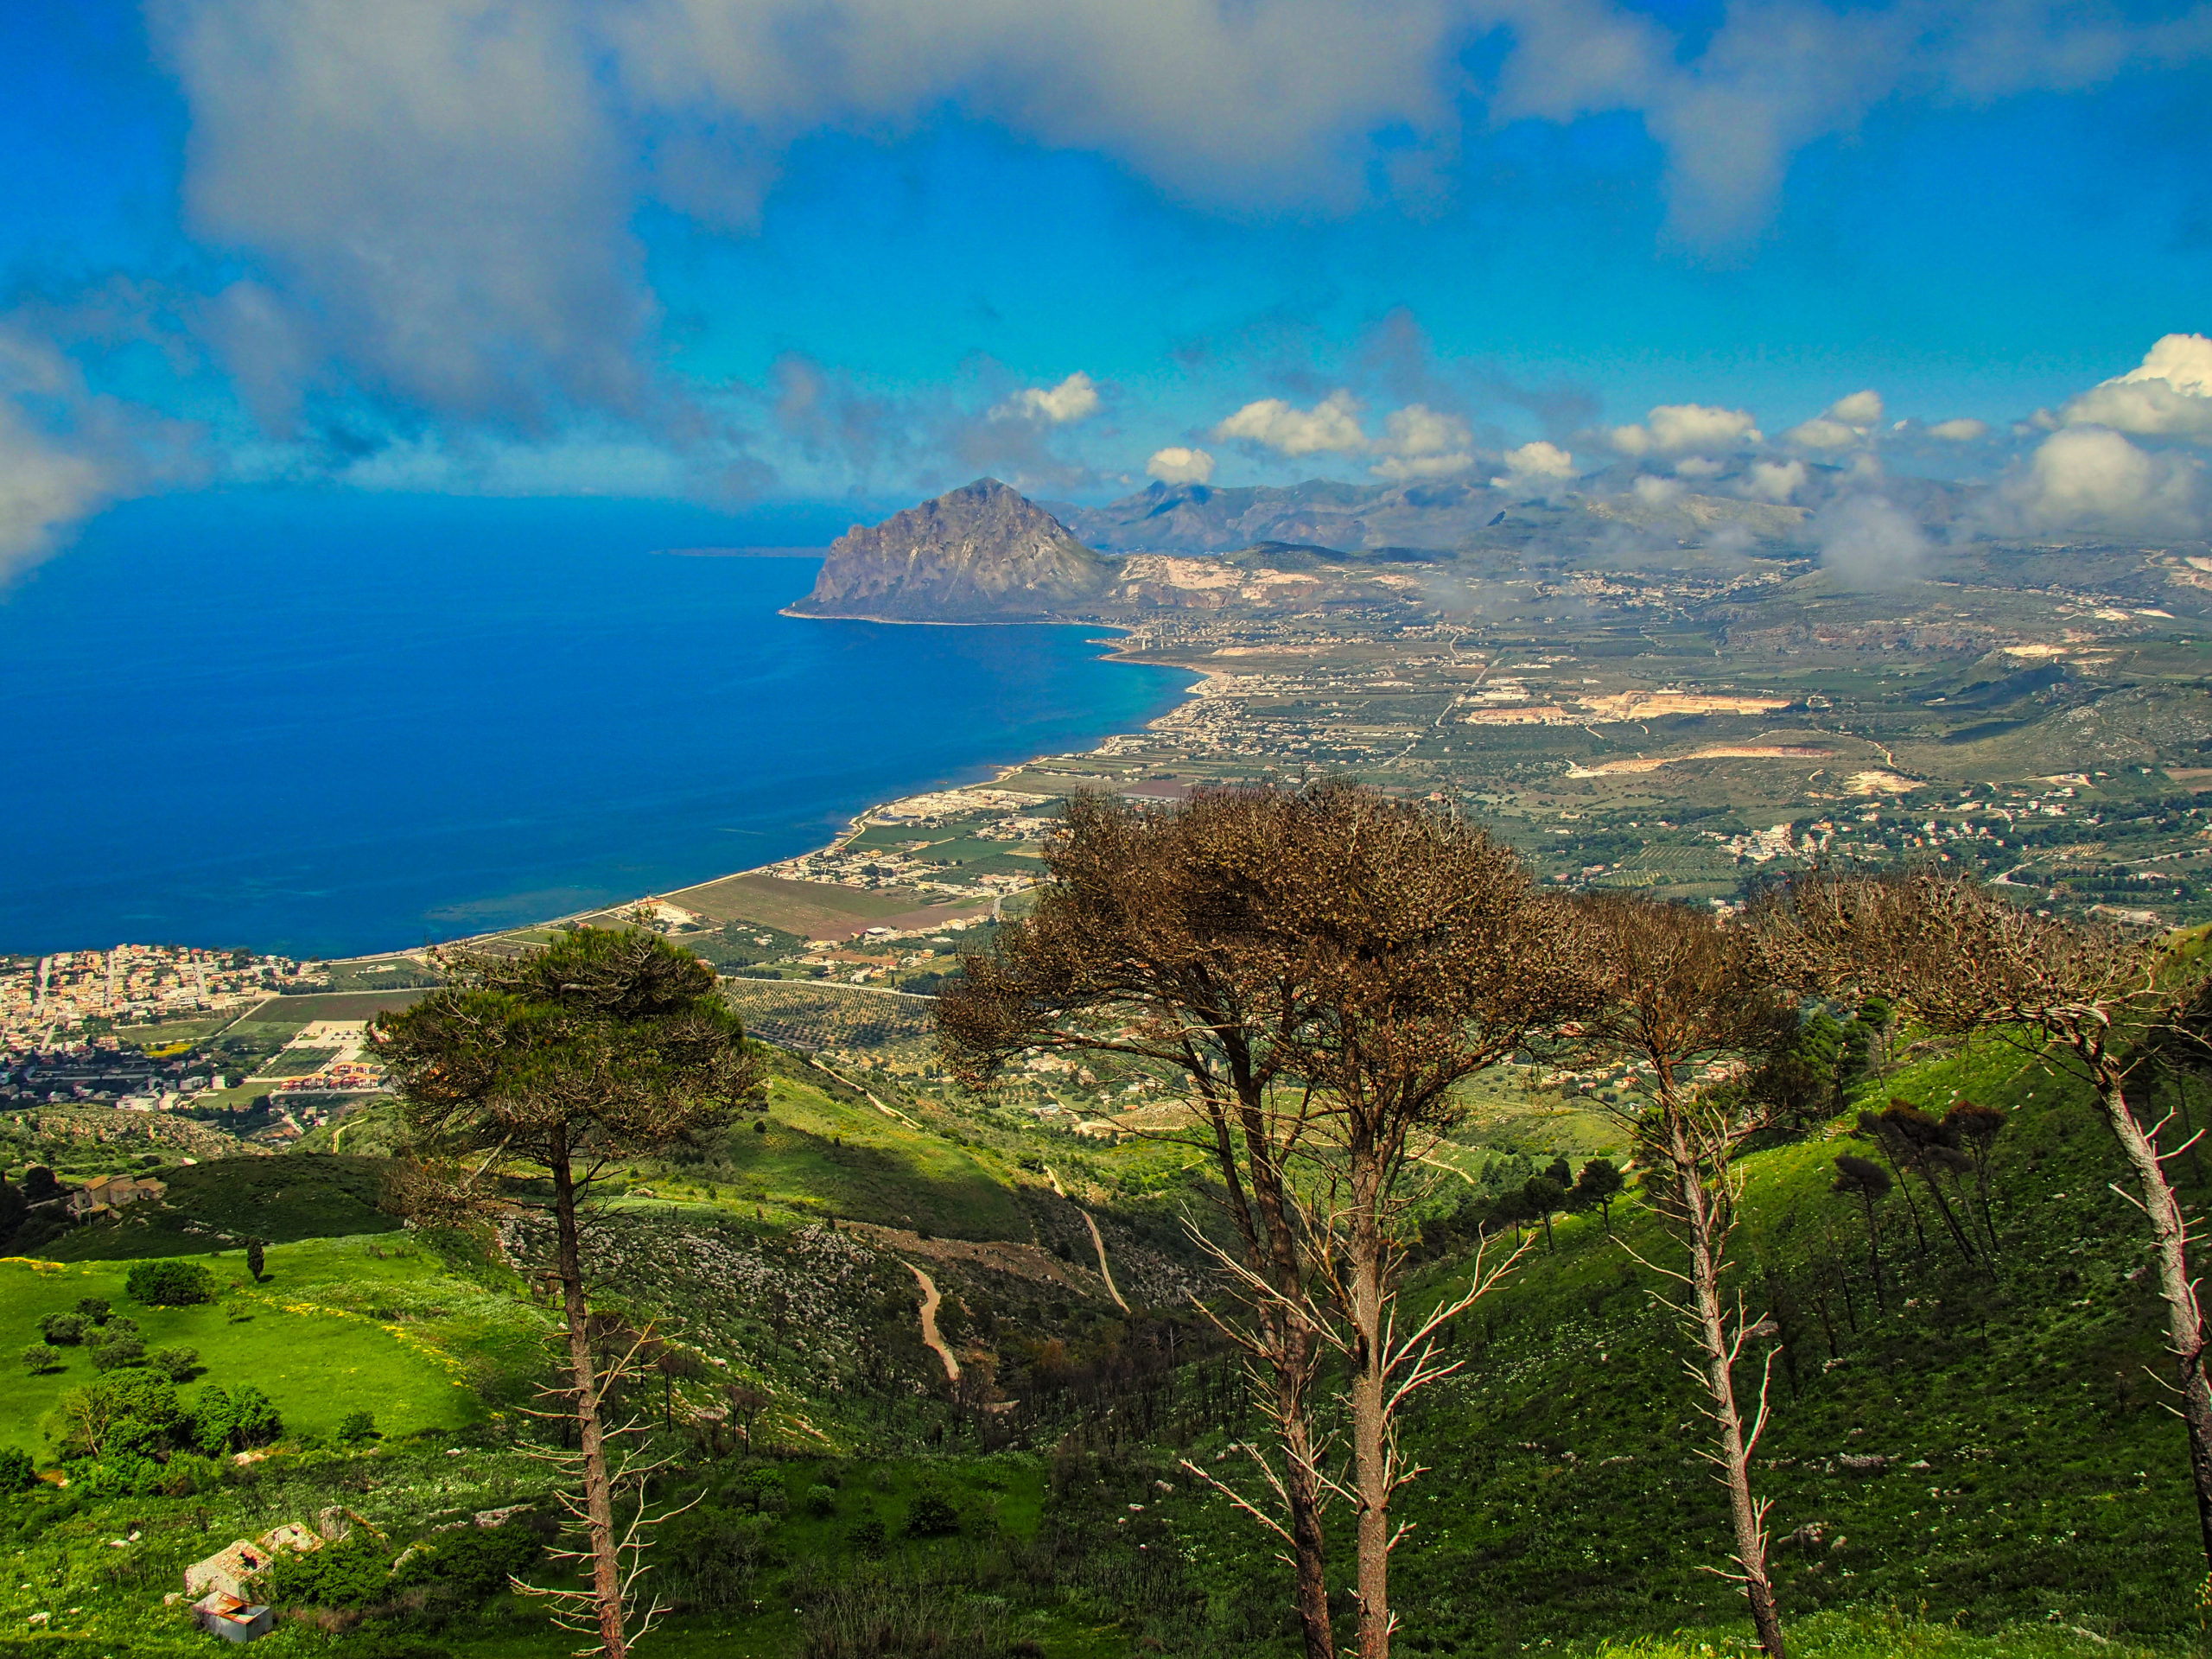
[(982, 553)]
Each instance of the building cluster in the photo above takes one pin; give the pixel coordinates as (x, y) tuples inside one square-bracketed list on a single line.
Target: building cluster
[(44, 998), (102, 1070)]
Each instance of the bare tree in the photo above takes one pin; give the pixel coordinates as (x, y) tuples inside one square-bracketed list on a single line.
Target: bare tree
[(1684, 991), (1433, 957), (1961, 958), (558, 1062), (1148, 945)]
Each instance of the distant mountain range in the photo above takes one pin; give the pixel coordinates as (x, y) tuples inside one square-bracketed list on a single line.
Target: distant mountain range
[(984, 552)]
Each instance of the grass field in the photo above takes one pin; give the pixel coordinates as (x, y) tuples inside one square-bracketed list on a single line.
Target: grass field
[(813, 910), (338, 1326)]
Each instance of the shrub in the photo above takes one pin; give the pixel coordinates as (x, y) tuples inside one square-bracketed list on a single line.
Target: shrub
[(38, 1359), (931, 1517), (223, 1421), (821, 1502), (472, 1562), (134, 1411), (95, 1308), (62, 1329), (169, 1282), (16, 1469), (178, 1364), (184, 1475), (357, 1428), (121, 1349), (868, 1537), (351, 1572)]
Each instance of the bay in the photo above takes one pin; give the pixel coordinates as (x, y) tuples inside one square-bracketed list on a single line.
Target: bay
[(320, 724)]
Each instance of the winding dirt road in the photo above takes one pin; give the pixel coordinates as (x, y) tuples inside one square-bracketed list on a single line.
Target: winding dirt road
[(930, 1338)]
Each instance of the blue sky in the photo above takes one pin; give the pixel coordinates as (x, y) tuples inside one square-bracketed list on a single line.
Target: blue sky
[(768, 252)]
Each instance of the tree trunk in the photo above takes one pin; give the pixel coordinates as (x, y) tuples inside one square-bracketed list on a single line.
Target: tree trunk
[(1712, 1334), (1288, 1342), (1372, 1474), (598, 1494), (2186, 1335), (1943, 1205), (1308, 1552), (1874, 1250)]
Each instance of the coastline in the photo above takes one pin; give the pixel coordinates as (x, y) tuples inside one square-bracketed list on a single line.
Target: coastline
[(1203, 679)]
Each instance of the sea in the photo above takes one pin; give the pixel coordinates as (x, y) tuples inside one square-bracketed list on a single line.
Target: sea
[(320, 724)]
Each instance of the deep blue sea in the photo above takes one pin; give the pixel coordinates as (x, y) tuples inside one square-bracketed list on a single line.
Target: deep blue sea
[(323, 724)]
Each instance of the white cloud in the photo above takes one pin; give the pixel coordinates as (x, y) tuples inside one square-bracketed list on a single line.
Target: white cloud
[(1699, 467), (1419, 441), (1672, 428), (1961, 430), (2092, 478), (1844, 423), (1773, 481), (1655, 492), (1178, 465), (67, 452), (1822, 433), (2170, 396), (1332, 426), (1074, 399), (436, 188), (1540, 460), (1860, 409), (1867, 543)]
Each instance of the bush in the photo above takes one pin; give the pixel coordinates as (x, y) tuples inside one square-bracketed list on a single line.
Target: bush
[(185, 1474), (38, 1359), (868, 1536), (472, 1562), (223, 1421), (178, 1364), (133, 1413), (351, 1572), (931, 1517), (821, 1502), (62, 1329), (121, 1349), (95, 1308), (357, 1428), (169, 1282), (16, 1469)]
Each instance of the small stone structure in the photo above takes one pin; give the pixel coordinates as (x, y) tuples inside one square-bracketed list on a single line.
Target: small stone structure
[(222, 1582)]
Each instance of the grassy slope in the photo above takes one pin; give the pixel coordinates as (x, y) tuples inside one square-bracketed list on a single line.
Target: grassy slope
[(2035, 1476), (338, 1326), (279, 1199)]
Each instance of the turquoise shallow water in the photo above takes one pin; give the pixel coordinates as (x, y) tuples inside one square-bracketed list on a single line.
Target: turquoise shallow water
[(324, 724)]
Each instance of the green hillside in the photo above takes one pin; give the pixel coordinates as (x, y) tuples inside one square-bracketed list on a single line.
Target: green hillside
[(2016, 1487)]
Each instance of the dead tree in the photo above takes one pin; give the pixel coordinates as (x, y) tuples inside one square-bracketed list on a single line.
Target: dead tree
[(1147, 944), (1683, 991), (1433, 957), (558, 1064), (1977, 1129), (1959, 959)]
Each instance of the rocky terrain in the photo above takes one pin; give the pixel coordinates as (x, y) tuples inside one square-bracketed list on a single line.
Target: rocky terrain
[(982, 552)]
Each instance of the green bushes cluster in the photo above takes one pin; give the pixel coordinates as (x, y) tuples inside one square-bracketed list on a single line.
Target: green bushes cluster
[(169, 1282)]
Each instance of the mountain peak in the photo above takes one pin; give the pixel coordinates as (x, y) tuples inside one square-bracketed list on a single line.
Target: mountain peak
[(983, 552)]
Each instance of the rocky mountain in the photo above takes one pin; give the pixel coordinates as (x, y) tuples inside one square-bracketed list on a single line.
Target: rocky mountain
[(982, 553)]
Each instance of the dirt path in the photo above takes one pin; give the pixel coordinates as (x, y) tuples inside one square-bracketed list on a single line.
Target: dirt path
[(930, 1338), (1097, 1242)]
